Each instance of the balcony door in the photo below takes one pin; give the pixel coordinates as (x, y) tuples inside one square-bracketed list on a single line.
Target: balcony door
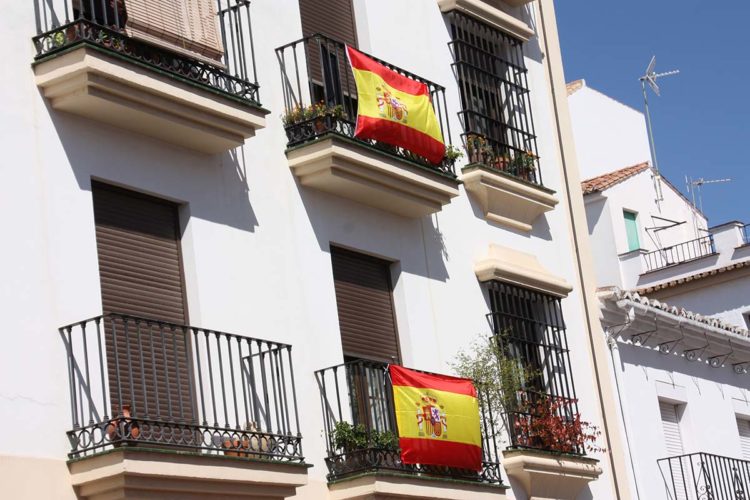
[(369, 338), (140, 270)]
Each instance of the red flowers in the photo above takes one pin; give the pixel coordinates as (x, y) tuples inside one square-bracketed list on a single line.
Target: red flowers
[(550, 424)]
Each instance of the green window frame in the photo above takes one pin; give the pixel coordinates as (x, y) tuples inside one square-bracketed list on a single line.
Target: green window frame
[(631, 230)]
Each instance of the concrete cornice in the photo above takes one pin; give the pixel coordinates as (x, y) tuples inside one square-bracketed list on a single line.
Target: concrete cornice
[(488, 12)]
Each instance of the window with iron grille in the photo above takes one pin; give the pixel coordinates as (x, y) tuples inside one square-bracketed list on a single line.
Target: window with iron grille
[(495, 103), (530, 329)]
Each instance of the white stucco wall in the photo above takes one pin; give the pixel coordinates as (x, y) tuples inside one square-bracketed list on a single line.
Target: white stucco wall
[(255, 244), (608, 134), (710, 399)]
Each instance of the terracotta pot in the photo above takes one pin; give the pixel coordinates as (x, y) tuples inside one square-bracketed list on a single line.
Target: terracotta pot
[(130, 429)]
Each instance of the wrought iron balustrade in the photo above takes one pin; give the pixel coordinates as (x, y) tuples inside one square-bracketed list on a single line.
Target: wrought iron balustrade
[(682, 252), (147, 383), (360, 426), (531, 336), (703, 476), (496, 101), (64, 24), (326, 103)]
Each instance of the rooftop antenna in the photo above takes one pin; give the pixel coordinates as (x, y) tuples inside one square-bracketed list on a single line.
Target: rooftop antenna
[(650, 78), (697, 185)]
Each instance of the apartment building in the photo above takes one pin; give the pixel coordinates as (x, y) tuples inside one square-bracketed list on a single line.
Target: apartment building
[(674, 298), (206, 273)]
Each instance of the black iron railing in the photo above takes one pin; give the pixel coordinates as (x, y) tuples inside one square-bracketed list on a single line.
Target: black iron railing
[(496, 104), (677, 254), (702, 476), (360, 426), (531, 335), (63, 24), (140, 382), (326, 103)]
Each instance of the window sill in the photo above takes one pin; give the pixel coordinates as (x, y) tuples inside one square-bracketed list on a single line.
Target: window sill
[(505, 199), (488, 12), (547, 475)]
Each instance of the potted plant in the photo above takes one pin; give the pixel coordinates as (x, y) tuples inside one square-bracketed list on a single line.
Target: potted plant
[(123, 427), (248, 442), (524, 164), (452, 154)]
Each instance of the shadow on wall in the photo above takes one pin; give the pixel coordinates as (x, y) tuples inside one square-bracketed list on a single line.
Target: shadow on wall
[(417, 244), (215, 186)]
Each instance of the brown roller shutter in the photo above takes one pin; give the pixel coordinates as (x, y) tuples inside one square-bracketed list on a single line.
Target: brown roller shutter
[(365, 306), (140, 269), (186, 26), (334, 19)]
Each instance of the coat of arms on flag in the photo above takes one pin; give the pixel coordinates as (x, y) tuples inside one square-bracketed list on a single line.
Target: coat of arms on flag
[(426, 405), (395, 109)]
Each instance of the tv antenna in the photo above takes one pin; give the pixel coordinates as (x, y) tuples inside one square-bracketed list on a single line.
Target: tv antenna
[(697, 185), (650, 78)]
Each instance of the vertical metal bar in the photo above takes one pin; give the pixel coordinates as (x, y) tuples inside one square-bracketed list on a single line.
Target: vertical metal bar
[(294, 388), (176, 354), (254, 400), (211, 376), (262, 363), (88, 377), (117, 366), (284, 391), (243, 379), (102, 360), (154, 372), (200, 375), (143, 368), (234, 386), (166, 371), (133, 406), (71, 377), (252, 43), (221, 378)]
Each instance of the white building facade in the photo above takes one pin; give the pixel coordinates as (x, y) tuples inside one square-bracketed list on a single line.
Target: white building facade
[(150, 183), (673, 294)]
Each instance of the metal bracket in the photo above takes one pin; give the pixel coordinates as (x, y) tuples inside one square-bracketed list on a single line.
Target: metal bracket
[(719, 360), (690, 354), (638, 338), (668, 346)]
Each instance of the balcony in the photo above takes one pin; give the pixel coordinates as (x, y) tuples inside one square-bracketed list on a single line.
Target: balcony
[(171, 408), (680, 253), (705, 476), (184, 75), (362, 442), (321, 110)]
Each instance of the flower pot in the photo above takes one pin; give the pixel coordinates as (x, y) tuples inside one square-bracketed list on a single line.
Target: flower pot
[(128, 428)]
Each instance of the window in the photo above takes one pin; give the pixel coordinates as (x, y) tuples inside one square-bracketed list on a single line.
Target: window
[(365, 306), (631, 229), (670, 421), (743, 427), (530, 329), (747, 319), (494, 91)]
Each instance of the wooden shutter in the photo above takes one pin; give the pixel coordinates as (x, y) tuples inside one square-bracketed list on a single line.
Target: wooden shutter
[(138, 243), (332, 18), (335, 20), (186, 26), (671, 425), (743, 426), (365, 306)]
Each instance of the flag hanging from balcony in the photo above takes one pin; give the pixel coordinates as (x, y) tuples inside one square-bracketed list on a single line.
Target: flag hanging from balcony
[(395, 109), (437, 418)]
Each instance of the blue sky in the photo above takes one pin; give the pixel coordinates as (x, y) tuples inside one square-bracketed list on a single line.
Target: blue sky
[(701, 119)]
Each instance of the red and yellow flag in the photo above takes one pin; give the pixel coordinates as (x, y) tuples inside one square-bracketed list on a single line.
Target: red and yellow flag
[(437, 418), (395, 109)]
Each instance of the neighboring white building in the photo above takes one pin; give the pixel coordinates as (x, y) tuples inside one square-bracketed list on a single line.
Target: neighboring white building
[(675, 295), (146, 177)]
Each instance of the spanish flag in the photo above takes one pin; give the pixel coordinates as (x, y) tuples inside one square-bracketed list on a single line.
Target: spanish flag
[(395, 109), (437, 418)]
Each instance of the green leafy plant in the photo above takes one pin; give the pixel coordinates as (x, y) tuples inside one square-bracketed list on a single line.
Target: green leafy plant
[(299, 114), (452, 153), (524, 162), (349, 438)]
